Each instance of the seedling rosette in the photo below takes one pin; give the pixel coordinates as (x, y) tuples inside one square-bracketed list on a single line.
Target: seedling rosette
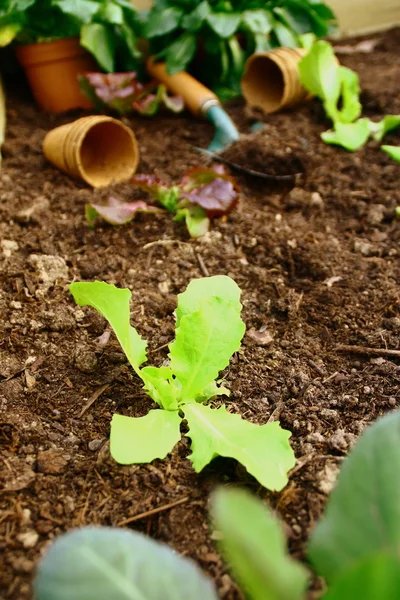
[(209, 330), (202, 194)]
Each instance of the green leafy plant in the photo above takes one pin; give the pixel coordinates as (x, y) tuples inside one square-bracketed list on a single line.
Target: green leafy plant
[(339, 89), (213, 38), (202, 194), (124, 93), (355, 546), (107, 28), (208, 331)]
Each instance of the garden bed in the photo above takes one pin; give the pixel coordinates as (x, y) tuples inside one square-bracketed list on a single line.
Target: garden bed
[(319, 267)]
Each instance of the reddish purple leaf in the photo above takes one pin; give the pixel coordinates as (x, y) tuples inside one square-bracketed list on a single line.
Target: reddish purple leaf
[(117, 212), (124, 93), (118, 91), (211, 188)]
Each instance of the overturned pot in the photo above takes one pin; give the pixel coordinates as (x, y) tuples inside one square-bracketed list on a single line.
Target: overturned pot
[(52, 70), (271, 79), (99, 150)]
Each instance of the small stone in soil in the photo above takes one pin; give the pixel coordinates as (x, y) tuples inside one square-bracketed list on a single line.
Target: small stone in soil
[(262, 337), (95, 445), (85, 361), (51, 462), (29, 538)]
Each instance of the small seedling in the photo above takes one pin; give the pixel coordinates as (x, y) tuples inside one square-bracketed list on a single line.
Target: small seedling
[(209, 330), (202, 194), (339, 89), (125, 94)]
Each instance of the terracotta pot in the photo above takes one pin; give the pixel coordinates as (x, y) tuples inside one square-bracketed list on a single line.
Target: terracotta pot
[(98, 149), (52, 69), (271, 79)]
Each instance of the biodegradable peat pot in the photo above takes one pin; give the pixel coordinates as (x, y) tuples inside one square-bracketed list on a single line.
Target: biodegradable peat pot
[(98, 149), (271, 79), (52, 69)]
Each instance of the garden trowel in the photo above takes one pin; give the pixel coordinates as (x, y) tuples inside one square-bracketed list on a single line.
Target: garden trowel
[(201, 101)]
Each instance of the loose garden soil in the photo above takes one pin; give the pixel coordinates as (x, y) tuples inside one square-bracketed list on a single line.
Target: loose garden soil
[(318, 261)]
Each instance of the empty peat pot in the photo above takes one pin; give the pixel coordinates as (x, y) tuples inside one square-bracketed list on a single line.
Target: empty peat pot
[(98, 149), (271, 79), (52, 70)]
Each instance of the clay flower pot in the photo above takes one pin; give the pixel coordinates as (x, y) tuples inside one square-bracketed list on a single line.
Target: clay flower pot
[(52, 69)]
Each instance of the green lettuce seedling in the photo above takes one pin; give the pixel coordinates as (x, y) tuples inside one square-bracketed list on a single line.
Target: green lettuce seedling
[(339, 89), (209, 330)]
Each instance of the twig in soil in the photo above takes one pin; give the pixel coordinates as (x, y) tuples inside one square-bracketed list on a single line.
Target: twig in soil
[(162, 243), (276, 413), (154, 511), (316, 367), (93, 398), (202, 265), (331, 377), (366, 350)]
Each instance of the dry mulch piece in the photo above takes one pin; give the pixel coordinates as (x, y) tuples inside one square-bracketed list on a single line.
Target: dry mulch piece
[(318, 262)]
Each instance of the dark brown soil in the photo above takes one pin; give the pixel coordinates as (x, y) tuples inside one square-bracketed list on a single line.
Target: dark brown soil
[(319, 267)]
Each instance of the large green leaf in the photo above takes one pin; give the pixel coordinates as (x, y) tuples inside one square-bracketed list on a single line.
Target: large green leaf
[(110, 12), (285, 36), (179, 54), (224, 24), (263, 449), (160, 22), (99, 41), (195, 19), (205, 287), (254, 545), (107, 563), (375, 578), (113, 304), (142, 439), (204, 342), (258, 21), (83, 10), (362, 518)]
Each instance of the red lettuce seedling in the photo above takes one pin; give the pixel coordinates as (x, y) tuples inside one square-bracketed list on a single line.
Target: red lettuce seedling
[(124, 93), (202, 194)]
